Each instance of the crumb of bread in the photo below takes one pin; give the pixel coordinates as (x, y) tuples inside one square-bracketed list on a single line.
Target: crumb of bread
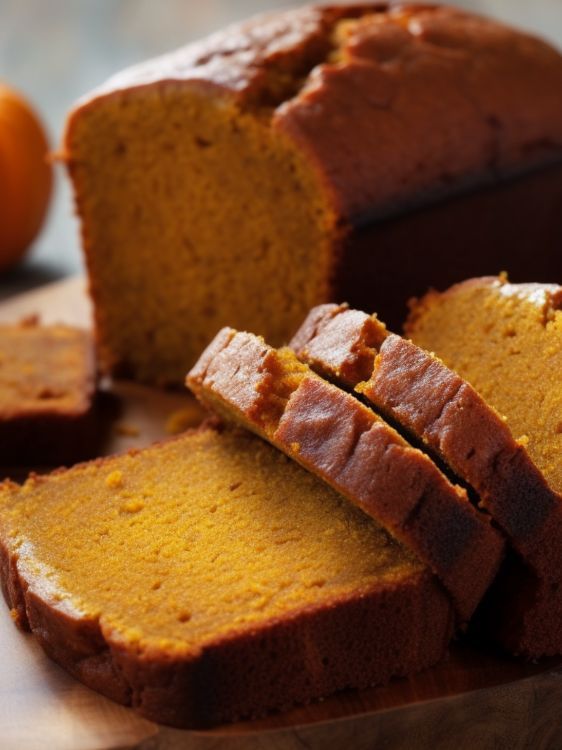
[(185, 418), (127, 430)]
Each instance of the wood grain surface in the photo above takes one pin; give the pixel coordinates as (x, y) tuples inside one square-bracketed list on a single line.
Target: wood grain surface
[(475, 700)]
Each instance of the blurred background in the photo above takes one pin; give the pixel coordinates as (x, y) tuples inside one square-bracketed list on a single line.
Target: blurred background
[(54, 51)]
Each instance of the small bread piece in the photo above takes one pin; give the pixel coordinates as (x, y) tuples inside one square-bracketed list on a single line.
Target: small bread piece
[(345, 443), (209, 578), (436, 406), (47, 387)]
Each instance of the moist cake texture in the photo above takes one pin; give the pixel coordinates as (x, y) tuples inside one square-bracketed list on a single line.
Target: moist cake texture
[(265, 152), (191, 579), (437, 407), (345, 443), (506, 340)]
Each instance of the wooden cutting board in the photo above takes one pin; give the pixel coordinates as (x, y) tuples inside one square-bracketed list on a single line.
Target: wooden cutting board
[(476, 699)]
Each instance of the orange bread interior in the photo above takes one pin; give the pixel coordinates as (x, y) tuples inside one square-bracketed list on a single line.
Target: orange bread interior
[(44, 369), (187, 555), (176, 189), (506, 340), (227, 533)]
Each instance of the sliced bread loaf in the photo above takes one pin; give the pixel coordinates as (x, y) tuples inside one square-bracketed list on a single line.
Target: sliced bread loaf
[(209, 578), (323, 127), (435, 405), (345, 443)]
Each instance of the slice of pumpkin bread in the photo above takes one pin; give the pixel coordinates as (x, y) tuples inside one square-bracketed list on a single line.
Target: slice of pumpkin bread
[(434, 404), (47, 388), (506, 340), (209, 578), (345, 443)]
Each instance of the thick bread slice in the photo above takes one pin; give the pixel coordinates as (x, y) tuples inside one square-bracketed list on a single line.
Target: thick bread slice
[(506, 340), (209, 578), (411, 386), (345, 443), (47, 395)]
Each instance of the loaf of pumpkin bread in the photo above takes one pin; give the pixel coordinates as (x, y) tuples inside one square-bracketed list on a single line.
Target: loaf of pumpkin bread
[(209, 578), (356, 452), (312, 154), (436, 406)]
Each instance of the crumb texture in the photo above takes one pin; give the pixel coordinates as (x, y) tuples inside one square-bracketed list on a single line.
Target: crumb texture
[(209, 579), (506, 340), (195, 539), (44, 369)]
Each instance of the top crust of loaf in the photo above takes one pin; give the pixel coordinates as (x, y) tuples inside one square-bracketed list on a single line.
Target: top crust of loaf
[(493, 90)]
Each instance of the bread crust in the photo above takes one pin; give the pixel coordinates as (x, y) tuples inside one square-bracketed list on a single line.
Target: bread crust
[(436, 406), (479, 72), (331, 434), (395, 628), (488, 178)]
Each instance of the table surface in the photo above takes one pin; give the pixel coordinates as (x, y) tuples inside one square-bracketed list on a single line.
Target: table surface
[(56, 51)]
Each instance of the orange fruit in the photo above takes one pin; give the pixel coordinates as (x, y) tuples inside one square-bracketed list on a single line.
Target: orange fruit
[(25, 176)]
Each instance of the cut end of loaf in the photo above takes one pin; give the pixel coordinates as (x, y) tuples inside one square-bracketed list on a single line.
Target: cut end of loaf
[(176, 188)]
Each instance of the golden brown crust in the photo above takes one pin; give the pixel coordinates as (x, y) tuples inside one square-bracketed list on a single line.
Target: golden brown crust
[(281, 45), (358, 454), (328, 339), (306, 67), (304, 74), (547, 297), (339, 343), (436, 406), (478, 72), (390, 629)]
